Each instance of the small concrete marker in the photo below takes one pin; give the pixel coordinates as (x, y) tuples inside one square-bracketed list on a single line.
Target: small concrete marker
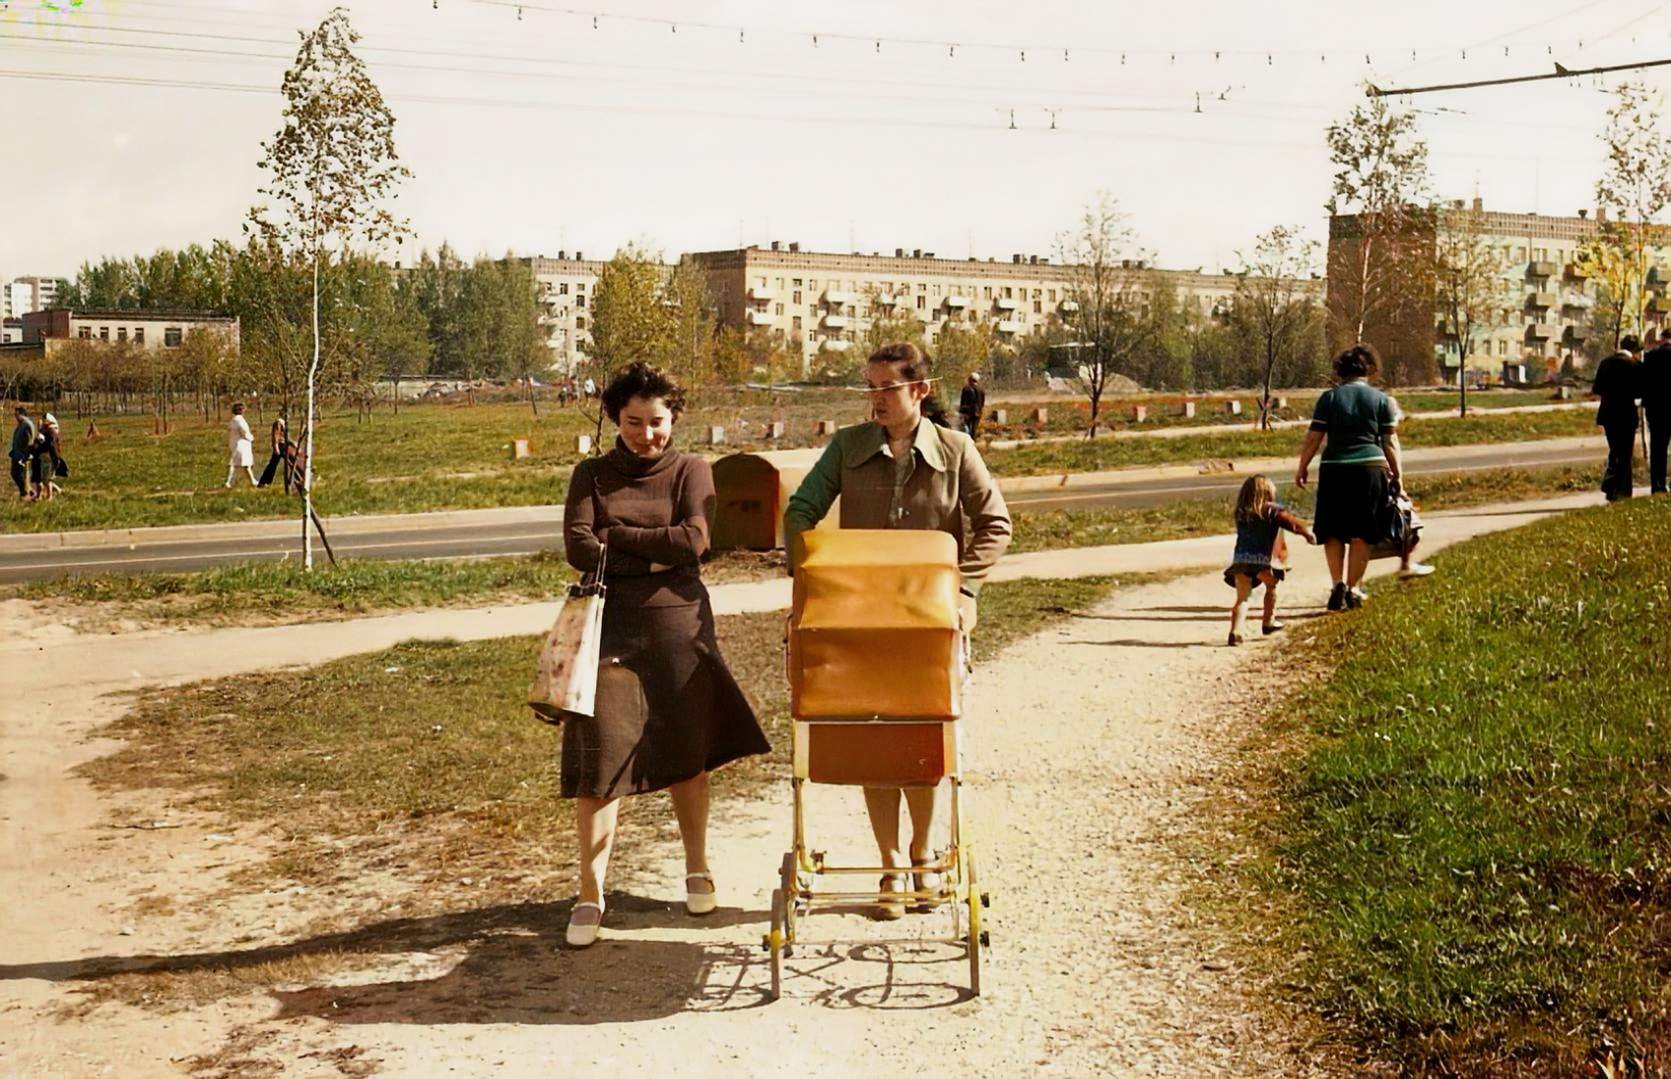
[(1139, 414)]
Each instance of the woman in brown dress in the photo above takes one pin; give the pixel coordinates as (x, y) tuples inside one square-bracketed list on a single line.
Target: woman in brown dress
[(668, 711)]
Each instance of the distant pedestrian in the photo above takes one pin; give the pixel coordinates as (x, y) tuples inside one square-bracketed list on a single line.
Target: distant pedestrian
[(591, 388), (1261, 556), (971, 405), (1355, 425), (22, 449), (283, 452), (241, 441), (1617, 385), (1656, 407), (47, 460)]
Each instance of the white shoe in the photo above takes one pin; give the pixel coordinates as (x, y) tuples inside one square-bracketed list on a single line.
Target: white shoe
[(701, 902), (1414, 569), (583, 925)]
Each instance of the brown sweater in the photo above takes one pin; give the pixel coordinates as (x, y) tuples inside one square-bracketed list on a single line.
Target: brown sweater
[(653, 513)]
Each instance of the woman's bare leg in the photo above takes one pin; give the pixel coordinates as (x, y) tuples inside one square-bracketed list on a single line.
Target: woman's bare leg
[(1357, 562), (922, 804), (1334, 552), (690, 806), (882, 804), (595, 820)]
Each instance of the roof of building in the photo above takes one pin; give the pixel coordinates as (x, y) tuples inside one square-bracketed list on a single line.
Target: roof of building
[(145, 314)]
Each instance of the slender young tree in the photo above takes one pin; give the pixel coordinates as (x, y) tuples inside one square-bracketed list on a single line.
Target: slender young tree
[(1272, 302), (1635, 189), (1468, 284), (332, 166), (1107, 282), (1376, 274)]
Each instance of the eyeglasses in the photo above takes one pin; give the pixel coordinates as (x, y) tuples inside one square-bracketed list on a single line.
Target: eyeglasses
[(874, 390)]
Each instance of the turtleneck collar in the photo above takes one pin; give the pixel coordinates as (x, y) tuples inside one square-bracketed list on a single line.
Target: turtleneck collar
[(628, 463)]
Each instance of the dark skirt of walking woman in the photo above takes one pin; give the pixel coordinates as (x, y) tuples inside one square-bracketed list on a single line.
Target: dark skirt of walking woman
[(1352, 503), (667, 708)]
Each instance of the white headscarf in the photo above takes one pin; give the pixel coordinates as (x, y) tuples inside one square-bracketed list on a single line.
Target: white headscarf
[(51, 420)]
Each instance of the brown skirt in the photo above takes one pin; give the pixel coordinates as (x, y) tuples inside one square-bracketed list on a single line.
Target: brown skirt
[(667, 707)]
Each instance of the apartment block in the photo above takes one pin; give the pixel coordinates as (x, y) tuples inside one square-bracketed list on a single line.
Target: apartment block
[(1546, 299), (21, 295), (826, 300)]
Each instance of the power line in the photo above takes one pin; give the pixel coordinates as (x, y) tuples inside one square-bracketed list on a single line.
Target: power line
[(1559, 73)]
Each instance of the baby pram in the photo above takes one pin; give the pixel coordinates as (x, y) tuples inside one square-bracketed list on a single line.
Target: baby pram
[(876, 665)]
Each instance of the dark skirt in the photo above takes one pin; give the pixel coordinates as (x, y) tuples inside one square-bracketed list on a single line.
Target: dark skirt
[(667, 708), (1352, 503), (1252, 569)]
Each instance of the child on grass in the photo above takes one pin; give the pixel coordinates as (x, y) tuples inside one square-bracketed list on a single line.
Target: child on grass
[(1261, 552)]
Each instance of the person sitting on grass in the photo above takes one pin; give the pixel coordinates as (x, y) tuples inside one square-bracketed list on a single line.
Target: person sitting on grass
[(1261, 555)]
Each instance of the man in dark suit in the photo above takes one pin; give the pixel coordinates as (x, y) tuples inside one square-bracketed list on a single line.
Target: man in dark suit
[(1656, 405), (1617, 386), (971, 404)]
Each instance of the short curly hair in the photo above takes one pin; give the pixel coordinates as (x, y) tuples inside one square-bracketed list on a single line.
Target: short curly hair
[(1359, 361), (641, 380)]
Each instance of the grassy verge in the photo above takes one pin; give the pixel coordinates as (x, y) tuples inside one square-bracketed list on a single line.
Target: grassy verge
[(221, 597), (1478, 838), (1107, 453), (418, 771)]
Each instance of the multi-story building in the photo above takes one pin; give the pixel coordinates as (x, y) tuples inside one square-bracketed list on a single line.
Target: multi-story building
[(826, 301), (146, 329), (21, 295), (11, 331), (564, 288), (1546, 298)]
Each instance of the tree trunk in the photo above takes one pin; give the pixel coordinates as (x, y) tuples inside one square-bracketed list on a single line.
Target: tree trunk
[(307, 465)]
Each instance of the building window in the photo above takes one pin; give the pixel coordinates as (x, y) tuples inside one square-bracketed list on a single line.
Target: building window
[(922, 303), (86, 333), (988, 292), (796, 282), (171, 336), (139, 335), (580, 322), (121, 333), (104, 333), (760, 282), (580, 301), (1038, 308), (795, 323), (812, 283), (778, 309), (795, 297), (563, 289), (1052, 296), (1009, 293)]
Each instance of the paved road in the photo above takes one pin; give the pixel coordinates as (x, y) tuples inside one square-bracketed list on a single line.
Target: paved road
[(528, 537)]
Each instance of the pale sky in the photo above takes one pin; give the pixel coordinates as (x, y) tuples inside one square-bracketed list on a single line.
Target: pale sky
[(541, 133)]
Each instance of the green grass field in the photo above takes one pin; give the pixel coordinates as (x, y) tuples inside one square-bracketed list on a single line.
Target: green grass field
[(1480, 837), (456, 456)]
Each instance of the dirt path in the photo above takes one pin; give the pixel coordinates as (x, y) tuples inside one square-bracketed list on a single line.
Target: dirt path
[(1091, 749)]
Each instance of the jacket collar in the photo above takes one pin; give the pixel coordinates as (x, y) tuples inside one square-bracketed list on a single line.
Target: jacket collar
[(872, 438)]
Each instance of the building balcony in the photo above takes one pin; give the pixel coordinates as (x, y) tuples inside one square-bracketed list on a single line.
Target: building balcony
[(1658, 305), (1010, 325), (1577, 271), (759, 318), (835, 322), (886, 300), (834, 345), (1540, 268), (1446, 329), (1004, 303), (1574, 334), (761, 292), (838, 297), (1069, 306), (1657, 275), (1540, 299), (1539, 331), (957, 302)]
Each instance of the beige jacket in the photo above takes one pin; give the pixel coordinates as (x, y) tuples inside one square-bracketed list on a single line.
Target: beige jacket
[(948, 488)]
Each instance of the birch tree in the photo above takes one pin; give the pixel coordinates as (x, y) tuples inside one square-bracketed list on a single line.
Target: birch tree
[(1635, 190), (1271, 301), (331, 168)]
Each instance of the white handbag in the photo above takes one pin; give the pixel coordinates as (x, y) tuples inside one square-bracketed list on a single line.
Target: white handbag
[(566, 682)]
